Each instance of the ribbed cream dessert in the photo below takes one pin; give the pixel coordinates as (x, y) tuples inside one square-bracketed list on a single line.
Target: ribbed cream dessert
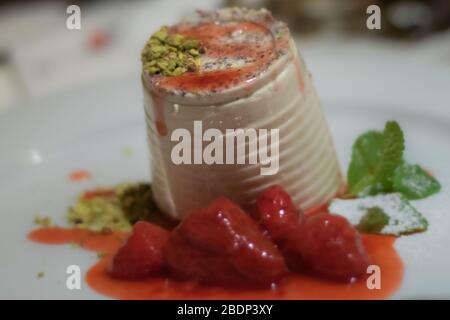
[(248, 75)]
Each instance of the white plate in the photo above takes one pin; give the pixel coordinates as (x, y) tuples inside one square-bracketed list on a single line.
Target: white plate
[(89, 129)]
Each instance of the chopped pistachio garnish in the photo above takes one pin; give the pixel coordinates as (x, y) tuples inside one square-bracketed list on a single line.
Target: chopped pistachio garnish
[(44, 222), (116, 208), (373, 221), (170, 54), (137, 203), (40, 274), (98, 213), (127, 151), (100, 255)]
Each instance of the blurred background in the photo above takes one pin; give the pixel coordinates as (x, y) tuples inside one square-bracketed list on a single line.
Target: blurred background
[(39, 56)]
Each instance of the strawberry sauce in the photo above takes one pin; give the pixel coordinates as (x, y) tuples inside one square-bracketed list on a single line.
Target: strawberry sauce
[(295, 286), (234, 53), (80, 175), (158, 111)]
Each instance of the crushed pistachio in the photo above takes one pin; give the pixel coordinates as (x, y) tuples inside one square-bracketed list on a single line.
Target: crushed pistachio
[(373, 221), (44, 222), (40, 274), (170, 54), (137, 202), (127, 151), (116, 209), (99, 213), (100, 255)]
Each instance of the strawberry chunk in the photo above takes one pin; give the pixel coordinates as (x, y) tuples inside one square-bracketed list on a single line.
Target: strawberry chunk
[(327, 245), (322, 244), (142, 254), (276, 212), (221, 244)]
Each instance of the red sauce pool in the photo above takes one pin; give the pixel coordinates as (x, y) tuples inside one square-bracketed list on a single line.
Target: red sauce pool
[(79, 175), (380, 249)]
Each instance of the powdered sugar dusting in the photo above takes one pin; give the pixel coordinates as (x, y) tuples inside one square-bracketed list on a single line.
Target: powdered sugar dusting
[(403, 217), (417, 182)]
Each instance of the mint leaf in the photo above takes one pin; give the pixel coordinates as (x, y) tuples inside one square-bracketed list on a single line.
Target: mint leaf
[(403, 217), (373, 221), (413, 182), (365, 155), (391, 153), (375, 156)]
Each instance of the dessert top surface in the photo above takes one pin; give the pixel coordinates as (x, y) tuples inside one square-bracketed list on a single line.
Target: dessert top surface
[(212, 52)]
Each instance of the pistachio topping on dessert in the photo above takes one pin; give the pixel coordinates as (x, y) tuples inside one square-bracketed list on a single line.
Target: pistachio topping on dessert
[(170, 54)]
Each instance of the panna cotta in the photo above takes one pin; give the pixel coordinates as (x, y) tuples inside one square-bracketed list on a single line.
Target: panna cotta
[(231, 110)]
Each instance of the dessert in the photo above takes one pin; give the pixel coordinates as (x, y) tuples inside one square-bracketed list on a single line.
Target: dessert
[(244, 73), (245, 229)]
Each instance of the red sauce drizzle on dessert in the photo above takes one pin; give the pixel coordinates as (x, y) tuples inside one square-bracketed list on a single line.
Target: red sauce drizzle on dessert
[(295, 286), (238, 52), (158, 113)]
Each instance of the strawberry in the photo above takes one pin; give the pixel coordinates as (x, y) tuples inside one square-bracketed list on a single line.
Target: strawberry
[(276, 212), (142, 254), (322, 244), (221, 244), (327, 245)]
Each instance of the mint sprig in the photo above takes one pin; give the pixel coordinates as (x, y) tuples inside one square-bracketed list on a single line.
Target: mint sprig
[(375, 156), (377, 166), (379, 176)]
